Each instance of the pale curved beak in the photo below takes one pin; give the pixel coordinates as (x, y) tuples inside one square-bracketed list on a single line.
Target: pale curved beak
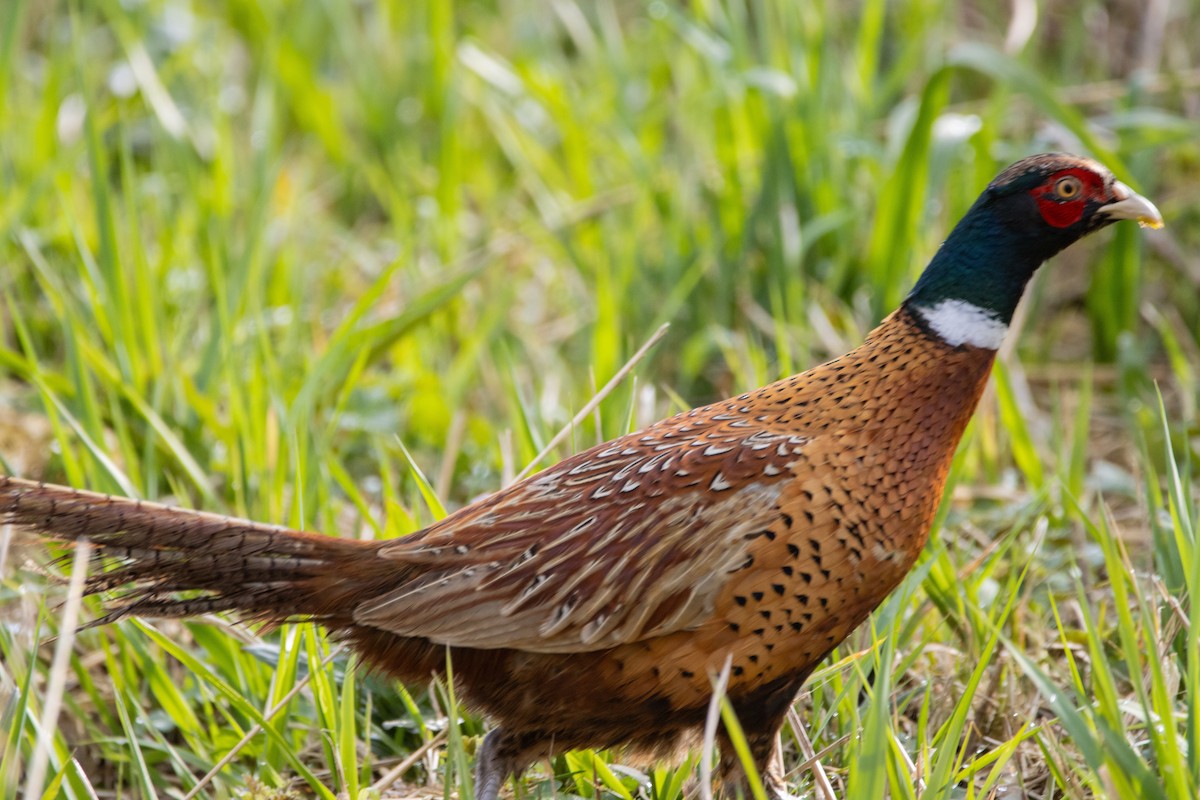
[(1131, 205)]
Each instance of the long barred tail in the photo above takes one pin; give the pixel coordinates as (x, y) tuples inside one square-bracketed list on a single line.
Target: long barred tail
[(171, 562)]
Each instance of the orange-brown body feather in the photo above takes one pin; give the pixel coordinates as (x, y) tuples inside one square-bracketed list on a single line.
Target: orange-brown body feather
[(590, 605)]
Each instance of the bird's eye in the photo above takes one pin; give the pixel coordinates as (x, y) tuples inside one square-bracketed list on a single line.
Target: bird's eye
[(1068, 188)]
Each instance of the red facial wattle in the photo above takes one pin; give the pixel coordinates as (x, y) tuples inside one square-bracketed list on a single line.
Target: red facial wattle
[(1064, 212), (1059, 213)]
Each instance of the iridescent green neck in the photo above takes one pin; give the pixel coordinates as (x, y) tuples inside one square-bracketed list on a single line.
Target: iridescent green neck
[(971, 288)]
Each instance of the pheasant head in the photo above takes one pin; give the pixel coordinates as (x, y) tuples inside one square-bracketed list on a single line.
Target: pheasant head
[(1031, 211)]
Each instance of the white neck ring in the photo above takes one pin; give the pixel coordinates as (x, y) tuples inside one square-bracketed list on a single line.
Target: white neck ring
[(957, 322)]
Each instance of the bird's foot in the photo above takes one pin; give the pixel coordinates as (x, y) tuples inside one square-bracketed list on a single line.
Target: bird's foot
[(776, 792)]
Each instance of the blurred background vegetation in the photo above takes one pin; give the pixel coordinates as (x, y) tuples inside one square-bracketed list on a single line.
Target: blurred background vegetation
[(339, 265)]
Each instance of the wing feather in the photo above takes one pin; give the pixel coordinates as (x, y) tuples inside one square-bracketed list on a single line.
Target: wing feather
[(627, 541)]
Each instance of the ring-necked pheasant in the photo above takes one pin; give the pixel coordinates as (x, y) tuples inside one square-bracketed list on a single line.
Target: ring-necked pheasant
[(589, 605)]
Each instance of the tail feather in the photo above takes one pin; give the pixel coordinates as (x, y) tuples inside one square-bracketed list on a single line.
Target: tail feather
[(173, 562)]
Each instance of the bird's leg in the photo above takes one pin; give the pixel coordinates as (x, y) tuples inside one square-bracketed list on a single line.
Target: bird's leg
[(772, 770), (500, 756), (767, 757), (762, 718), (491, 768), (772, 774)]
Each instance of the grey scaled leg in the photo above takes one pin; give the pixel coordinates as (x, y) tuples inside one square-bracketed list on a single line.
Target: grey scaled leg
[(499, 757), (765, 749)]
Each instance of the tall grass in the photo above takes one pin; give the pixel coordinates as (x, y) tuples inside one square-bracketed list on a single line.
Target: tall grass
[(340, 266)]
